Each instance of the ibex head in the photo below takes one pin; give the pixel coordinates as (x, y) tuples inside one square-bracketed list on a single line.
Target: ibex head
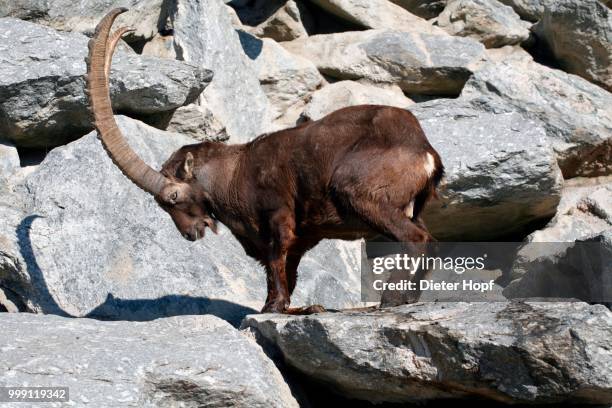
[(175, 187)]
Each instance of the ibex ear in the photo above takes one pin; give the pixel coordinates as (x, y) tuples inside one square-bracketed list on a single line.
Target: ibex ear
[(188, 166)]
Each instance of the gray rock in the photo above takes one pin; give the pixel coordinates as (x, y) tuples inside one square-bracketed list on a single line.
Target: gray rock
[(550, 264), (577, 115), (9, 160), (579, 35), (418, 63), (254, 12), (182, 361), (95, 245), (203, 35), (488, 21), (287, 79), (349, 93), (161, 46), (9, 166), (291, 21), (505, 352), (583, 212), (530, 10), (376, 14), (42, 85), (234, 18), (7, 305), (579, 270), (423, 8), (198, 122), (145, 16), (501, 172)]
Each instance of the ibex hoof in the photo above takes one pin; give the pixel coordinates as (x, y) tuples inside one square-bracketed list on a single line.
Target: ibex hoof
[(276, 306), (306, 310)]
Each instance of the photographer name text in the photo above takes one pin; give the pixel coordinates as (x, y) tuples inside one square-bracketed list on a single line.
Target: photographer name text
[(424, 285)]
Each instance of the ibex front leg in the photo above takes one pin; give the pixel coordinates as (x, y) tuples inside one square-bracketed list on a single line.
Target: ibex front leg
[(278, 293), (282, 228)]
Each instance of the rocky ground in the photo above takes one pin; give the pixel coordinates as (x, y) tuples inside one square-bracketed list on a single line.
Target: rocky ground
[(514, 94)]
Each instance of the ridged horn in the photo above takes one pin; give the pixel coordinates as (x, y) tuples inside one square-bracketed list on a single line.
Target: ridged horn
[(113, 41), (101, 48)]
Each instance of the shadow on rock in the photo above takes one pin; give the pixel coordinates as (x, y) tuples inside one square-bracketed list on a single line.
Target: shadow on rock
[(37, 278), (115, 308)]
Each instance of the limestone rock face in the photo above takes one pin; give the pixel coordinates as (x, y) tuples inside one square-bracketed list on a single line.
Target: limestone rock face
[(42, 85), (571, 257), (197, 121), (287, 79), (178, 361), (416, 62), (9, 161), (530, 10), (501, 172), (507, 352), (579, 35), (203, 35), (576, 114), (423, 8), (487, 21), (83, 16), (376, 14), (583, 212), (349, 93), (289, 22), (95, 245)]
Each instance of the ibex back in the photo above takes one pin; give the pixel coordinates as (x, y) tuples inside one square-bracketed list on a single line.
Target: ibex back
[(359, 172)]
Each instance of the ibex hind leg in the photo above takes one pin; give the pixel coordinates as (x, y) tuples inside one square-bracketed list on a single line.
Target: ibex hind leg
[(390, 221), (395, 223)]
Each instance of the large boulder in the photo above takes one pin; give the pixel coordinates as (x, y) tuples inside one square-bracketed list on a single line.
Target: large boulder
[(501, 172), (9, 162), (42, 86), (577, 270), (487, 21), (179, 361), (254, 12), (349, 93), (576, 114), (584, 211), (95, 245), (83, 16), (530, 10), (423, 8), (291, 21), (377, 14), (416, 62), (568, 258), (197, 121), (578, 33), (203, 35), (504, 352), (287, 79)]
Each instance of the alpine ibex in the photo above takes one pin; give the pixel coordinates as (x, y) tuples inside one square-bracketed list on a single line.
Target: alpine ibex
[(359, 172)]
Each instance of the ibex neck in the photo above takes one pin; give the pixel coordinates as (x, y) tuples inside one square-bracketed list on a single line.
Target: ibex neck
[(217, 170)]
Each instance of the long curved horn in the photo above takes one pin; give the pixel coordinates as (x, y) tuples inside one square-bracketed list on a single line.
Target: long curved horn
[(113, 41), (100, 56)]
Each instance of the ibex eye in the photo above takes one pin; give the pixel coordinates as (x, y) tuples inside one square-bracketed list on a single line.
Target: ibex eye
[(174, 196)]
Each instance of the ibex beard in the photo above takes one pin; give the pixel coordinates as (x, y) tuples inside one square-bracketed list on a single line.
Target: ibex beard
[(360, 172)]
